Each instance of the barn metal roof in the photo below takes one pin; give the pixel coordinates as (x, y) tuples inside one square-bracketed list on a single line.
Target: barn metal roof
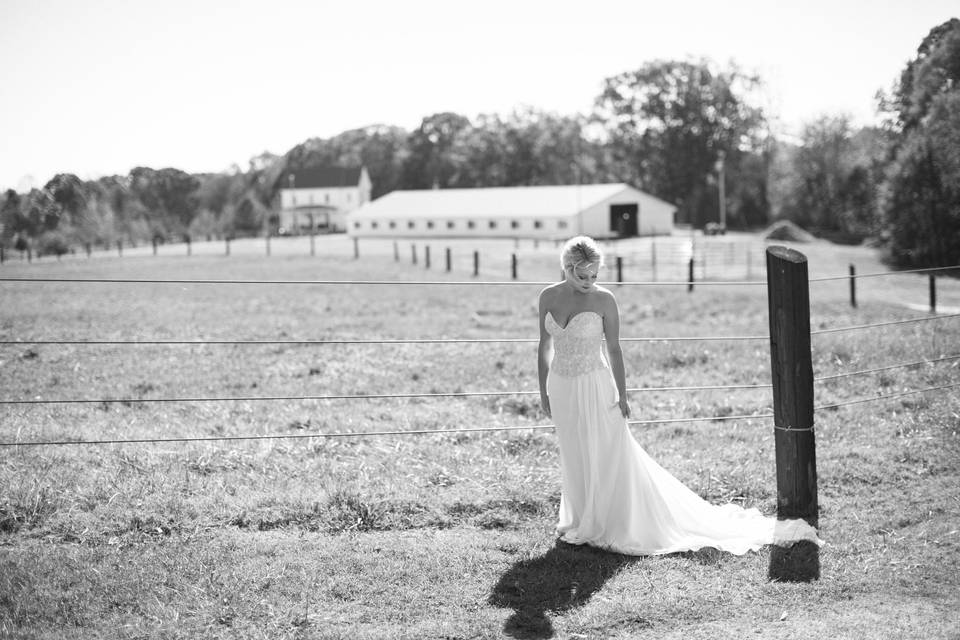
[(525, 202)]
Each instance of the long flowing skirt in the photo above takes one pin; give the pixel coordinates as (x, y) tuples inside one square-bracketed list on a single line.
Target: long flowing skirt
[(617, 497)]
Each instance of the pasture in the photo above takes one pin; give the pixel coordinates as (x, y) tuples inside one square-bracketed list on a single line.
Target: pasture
[(446, 535)]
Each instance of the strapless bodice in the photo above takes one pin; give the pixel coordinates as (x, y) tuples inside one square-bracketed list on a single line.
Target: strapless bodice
[(577, 347)]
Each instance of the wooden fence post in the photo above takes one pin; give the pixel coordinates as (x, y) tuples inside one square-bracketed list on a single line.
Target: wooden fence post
[(449, 260), (933, 293), (476, 263), (619, 268), (788, 295), (513, 266), (853, 286), (690, 277), (356, 248), (426, 256)]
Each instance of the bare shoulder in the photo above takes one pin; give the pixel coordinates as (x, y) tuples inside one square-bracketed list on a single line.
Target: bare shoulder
[(606, 298), (549, 293)]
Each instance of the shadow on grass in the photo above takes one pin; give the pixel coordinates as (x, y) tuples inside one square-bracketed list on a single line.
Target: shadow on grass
[(798, 563), (564, 578)]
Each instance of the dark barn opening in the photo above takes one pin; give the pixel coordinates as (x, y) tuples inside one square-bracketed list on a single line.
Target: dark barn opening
[(624, 219)]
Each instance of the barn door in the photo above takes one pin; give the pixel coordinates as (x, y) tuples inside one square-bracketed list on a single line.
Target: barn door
[(623, 219)]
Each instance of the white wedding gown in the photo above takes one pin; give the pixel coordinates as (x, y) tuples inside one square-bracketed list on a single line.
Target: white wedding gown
[(614, 495)]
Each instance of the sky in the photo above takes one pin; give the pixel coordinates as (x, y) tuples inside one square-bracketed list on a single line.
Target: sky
[(98, 87)]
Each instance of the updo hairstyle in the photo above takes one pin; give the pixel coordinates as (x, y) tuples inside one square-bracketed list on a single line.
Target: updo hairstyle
[(580, 250)]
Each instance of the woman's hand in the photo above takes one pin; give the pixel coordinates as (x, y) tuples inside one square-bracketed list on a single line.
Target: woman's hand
[(545, 404), (624, 407)]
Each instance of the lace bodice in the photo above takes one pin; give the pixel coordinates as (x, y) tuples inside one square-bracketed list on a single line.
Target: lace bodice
[(577, 348)]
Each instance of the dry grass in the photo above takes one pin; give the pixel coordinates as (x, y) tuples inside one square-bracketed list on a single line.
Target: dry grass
[(441, 536)]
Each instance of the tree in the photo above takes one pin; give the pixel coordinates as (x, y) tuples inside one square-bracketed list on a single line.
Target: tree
[(69, 193), (668, 122), (922, 187), (169, 193), (11, 218), (431, 148)]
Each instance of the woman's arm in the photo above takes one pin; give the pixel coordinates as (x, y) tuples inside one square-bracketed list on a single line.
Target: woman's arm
[(543, 355), (611, 331)]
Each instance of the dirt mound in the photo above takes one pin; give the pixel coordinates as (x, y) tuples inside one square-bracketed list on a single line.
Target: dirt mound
[(787, 231)]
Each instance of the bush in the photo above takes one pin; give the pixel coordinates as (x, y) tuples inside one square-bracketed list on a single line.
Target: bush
[(52, 243)]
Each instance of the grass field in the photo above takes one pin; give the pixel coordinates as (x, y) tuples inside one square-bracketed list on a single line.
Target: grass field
[(445, 535)]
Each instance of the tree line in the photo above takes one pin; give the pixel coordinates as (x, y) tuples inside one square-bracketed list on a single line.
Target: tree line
[(664, 128)]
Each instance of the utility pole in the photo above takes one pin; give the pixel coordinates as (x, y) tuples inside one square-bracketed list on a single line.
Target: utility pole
[(723, 191)]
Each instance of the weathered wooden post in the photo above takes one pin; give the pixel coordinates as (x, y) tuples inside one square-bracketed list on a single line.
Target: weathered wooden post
[(313, 237), (690, 277), (933, 293), (792, 377), (413, 253), (619, 268), (449, 260), (853, 286), (476, 263), (513, 266), (426, 256)]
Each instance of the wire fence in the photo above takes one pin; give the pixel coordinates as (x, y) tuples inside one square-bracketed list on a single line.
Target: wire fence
[(422, 341)]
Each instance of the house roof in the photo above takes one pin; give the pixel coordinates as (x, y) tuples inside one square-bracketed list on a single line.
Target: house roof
[(525, 202), (320, 177)]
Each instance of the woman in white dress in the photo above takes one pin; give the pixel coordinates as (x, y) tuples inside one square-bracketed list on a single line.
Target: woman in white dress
[(614, 496)]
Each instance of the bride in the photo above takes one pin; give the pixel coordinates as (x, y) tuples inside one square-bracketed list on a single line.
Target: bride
[(615, 496)]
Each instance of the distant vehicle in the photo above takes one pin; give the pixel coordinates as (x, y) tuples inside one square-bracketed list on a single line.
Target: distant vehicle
[(714, 229)]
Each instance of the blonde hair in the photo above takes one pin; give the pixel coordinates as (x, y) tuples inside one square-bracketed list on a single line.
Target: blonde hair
[(580, 250)]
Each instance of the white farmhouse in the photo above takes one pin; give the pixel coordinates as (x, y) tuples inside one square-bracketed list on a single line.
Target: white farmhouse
[(552, 212), (321, 198)]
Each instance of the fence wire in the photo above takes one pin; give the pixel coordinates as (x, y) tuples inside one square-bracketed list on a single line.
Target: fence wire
[(403, 432), (393, 341), (450, 394), (754, 416)]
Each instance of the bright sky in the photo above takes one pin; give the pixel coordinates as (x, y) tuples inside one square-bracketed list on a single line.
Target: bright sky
[(97, 87)]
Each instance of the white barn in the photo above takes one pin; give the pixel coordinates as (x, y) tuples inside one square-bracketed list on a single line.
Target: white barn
[(321, 197), (551, 212)]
